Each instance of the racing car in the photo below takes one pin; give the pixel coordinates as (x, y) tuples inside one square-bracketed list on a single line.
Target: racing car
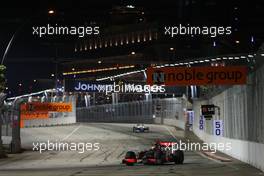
[(140, 128), (161, 153)]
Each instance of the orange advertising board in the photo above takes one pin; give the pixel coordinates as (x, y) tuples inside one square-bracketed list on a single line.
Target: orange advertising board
[(30, 115), (22, 124), (47, 107), (26, 115), (173, 76), (38, 110)]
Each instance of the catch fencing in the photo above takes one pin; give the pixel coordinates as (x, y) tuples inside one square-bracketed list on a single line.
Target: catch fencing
[(154, 111), (6, 126)]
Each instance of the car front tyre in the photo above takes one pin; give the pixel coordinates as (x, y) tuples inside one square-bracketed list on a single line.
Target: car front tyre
[(130, 164)]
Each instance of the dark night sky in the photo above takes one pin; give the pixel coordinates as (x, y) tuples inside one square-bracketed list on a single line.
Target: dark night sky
[(33, 58)]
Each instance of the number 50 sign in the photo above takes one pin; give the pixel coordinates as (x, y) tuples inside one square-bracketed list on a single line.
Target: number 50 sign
[(218, 128)]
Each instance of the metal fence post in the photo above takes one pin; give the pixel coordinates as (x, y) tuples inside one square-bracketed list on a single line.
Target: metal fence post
[(16, 141), (2, 98), (2, 153)]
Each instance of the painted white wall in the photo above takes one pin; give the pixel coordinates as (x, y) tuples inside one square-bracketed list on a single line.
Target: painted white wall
[(246, 151), (239, 125)]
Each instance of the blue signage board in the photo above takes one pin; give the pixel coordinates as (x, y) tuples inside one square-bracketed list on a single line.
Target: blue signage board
[(201, 123), (113, 87)]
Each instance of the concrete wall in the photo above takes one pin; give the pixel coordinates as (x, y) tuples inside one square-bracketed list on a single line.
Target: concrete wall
[(241, 109), (61, 119), (246, 151)]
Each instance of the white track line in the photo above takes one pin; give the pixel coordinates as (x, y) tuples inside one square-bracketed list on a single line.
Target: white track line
[(170, 132), (77, 128)]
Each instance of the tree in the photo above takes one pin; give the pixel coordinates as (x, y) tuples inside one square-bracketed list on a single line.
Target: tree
[(2, 78)]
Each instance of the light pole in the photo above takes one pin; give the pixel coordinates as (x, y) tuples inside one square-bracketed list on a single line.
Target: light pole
[(11, 41)]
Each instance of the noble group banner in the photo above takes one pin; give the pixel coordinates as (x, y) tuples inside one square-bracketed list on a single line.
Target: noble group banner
[(25, 114), (46, 107), (197, 75), (38, 110)]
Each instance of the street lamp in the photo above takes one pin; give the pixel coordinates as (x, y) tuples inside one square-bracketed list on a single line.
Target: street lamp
[(11, 41), (51, 12)]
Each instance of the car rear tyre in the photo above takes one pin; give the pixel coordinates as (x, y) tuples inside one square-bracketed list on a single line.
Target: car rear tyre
[(178, 157)]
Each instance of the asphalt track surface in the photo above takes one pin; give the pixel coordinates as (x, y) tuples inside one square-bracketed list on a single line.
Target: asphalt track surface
[(114, 140)]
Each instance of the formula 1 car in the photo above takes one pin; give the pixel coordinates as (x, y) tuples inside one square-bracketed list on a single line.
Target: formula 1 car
[(161, 153), (140, 128)]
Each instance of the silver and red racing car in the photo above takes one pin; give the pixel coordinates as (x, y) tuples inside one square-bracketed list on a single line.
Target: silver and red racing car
[(161, 153)]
